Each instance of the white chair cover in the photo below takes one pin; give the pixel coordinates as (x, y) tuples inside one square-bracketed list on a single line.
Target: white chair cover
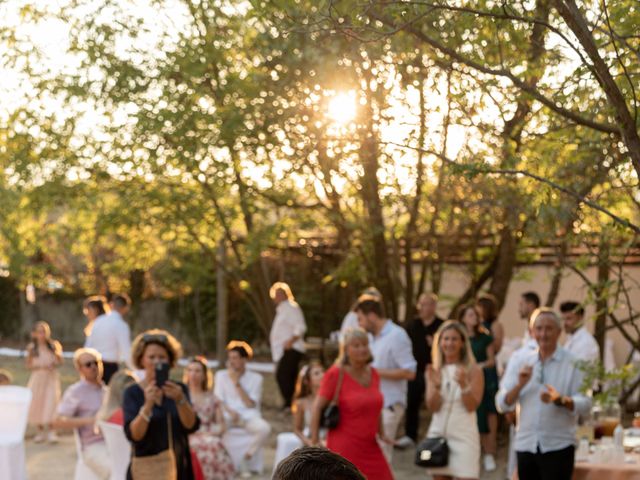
[(14, 411), (82, 471), (236, 441), (119, 449), (287, 443)]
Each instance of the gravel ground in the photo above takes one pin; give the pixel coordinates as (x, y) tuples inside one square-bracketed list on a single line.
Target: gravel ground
[(57, 462)]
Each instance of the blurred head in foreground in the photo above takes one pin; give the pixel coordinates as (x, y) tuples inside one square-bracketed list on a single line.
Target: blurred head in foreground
[(315, 463)]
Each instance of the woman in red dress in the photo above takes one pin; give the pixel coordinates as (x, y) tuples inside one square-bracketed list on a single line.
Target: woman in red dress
[(360, 405)]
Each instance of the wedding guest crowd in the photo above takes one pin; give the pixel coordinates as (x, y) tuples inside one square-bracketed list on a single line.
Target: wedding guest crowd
[(375, 389)]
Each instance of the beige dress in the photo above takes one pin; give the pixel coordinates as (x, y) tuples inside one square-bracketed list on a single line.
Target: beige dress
[(459, 426), (45, 388)]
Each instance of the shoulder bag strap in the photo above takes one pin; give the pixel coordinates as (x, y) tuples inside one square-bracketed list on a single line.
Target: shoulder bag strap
[(170, 430), (446, 422), (336, 394)]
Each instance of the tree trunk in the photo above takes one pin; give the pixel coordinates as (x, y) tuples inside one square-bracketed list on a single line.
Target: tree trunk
[(506, 262), (602, 291), (476, 285), (370, 192), (578, 25), (197, 312), (409, 293)]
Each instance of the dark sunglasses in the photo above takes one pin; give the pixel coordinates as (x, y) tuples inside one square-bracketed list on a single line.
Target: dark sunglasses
[(154, 337), (92, 363)]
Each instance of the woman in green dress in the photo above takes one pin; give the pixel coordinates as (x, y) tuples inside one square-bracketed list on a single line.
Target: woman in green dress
[(484, 352)]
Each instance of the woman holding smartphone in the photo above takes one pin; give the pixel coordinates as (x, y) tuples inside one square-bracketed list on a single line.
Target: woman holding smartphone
[(158, 416)]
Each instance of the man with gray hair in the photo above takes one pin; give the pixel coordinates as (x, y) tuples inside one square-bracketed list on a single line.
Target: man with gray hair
[(544, 386)]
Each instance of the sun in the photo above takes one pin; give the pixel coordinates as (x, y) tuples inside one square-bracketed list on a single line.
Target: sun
[(342, 107)]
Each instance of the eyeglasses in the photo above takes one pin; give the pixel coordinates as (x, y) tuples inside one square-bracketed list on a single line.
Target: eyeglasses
[(92, 363), (154, 337)]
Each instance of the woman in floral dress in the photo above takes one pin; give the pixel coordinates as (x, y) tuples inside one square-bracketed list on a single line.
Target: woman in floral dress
[(207, 441)]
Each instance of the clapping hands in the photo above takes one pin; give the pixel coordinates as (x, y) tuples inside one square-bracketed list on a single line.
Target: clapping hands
[(434, 377)]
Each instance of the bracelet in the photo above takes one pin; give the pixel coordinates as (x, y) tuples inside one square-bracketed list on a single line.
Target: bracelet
[(144, 416), (182, 401), (561, 401)]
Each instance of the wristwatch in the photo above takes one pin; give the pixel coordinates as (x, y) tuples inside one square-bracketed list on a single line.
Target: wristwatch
[(561, 401)]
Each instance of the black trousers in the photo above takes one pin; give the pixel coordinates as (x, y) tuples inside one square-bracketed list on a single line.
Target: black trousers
[(109, 368), (287, 373), (555, 465), (415, 397)]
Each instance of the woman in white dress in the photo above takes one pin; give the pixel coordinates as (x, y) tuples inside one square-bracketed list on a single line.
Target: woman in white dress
[(455, 386), (307, 388)]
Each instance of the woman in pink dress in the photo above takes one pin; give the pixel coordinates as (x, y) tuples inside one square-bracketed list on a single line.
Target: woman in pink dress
[(44, 356), (360, 405), (206, 443)]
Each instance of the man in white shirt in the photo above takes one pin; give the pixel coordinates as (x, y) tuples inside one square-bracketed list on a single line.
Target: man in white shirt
[(578, 339), (240, 391), (286, 338), (544, 386), (529, 302), (111, 336), (350, 320), (393, 360)]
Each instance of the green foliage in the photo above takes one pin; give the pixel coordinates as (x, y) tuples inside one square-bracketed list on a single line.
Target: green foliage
[(611, 383), (174, 126)]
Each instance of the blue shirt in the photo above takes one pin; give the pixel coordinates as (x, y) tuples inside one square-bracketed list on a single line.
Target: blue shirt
[(544, 425), (391, 348)]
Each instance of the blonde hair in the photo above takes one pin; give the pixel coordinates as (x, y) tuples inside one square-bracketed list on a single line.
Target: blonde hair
[(466, 355), (5, 377), (349, 336), (53, 345), (284, 287), (90, 351), (112, 400)]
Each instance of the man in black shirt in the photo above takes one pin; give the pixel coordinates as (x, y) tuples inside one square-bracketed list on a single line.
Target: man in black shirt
[(421, 330)]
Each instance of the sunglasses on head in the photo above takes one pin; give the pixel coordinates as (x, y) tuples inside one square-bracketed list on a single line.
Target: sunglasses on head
[(91, 363), (154, 337)]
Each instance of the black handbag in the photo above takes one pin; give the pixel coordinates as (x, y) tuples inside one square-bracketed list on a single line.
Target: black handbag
[(434, 452), (331, 414)]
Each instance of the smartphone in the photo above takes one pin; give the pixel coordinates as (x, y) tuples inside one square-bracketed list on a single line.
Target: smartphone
[(162, 373)]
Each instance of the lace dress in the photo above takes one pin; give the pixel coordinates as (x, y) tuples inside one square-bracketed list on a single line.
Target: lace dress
[(207, 442)]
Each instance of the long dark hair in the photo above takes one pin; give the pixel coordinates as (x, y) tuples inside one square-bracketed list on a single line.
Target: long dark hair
[(479, 328), (303, 384), (488, 307), (97, 303)]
